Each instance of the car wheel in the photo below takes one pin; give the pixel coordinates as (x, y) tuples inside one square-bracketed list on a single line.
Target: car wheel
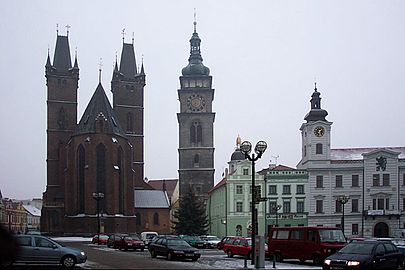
[(153, 254), (279, 257), (229, 253), (68, 262), (169, 256), (318, 260)]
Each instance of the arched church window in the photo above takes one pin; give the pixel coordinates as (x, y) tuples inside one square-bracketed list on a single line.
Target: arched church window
[(195, 132), (130, 121), (305, 150), (80, 179), (155, 219), (62, 119), (196, 160), (101, 174), (319, 148), (121, 187)]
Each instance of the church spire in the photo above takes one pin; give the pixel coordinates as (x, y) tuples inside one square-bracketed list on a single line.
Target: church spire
[(195, 65), (128, 61), (316, 113)]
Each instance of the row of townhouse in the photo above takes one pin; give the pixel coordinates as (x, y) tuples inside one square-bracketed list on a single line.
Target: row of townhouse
[(361, 189), (19, 216)]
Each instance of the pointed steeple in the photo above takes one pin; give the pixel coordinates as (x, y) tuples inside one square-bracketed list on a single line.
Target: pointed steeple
[(195, 65), (76, 65), (61, 59), (128, 62), (99, 105), (316, 113), (142, 68), (48, 61)]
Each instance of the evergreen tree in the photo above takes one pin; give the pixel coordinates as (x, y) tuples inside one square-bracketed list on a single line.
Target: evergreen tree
[(191, 218)]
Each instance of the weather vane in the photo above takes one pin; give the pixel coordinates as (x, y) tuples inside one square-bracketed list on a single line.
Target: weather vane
[(99, 69), (123, 34), (57, 29)]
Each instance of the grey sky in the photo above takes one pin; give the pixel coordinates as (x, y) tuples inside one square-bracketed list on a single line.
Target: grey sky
[(264, 57)]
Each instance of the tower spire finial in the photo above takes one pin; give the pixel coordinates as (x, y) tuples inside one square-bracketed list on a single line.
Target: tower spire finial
[(133, 37), (195, 21), (67, 29), (123, 35), (99, 69), (57, 29)]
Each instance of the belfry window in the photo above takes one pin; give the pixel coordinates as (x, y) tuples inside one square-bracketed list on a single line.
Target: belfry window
[(130, 121), (196, 132), (319, 149)]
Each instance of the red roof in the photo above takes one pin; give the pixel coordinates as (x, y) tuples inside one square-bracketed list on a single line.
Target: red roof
[(220, 184), (170, 185)]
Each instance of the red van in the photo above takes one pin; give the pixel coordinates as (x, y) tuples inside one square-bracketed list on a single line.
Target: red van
[(305, 243)]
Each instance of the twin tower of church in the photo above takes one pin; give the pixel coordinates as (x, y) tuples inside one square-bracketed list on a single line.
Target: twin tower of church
[(95, 164)]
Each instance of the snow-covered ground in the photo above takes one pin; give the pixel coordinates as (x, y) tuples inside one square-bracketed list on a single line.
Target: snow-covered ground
[(209, 259)]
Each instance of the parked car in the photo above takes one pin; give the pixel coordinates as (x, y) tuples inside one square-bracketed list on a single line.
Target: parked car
[(147, 237), (241, 246), (305, 243), (194, 241), (100, 241), (113, 240), (173, 248), (221, 243), (211, 241), (37, 249), (128, 242), (367, 254)]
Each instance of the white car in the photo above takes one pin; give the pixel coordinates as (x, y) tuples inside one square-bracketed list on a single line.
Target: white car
[(211, 241)]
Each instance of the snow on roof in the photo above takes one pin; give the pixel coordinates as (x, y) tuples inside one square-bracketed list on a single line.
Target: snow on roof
[(357, 153), (151, 199), (32, 210)]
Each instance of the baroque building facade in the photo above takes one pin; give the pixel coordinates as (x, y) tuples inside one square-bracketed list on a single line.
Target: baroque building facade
[(362, 189), (196, 124), (100, 155)]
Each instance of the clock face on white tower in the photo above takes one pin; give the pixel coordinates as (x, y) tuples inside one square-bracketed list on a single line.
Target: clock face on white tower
[(195, 103), (319, 131)]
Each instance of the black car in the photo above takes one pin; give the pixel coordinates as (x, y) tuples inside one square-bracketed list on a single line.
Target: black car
[(172, 247), (366, 255)]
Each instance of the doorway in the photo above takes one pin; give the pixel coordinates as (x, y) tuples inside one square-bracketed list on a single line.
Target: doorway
[(381, 230)]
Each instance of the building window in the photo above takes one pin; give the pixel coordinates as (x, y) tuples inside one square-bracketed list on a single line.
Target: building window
[(319, 149), (338, 207), (386, 179), (378, 204), (355, 205), (305, 150), (101, 174), (239, 207), (155, 219), (130, 121), (355, 229), (196, 160), (387, 203), (286, 207), (121, 179), (319, 181), (300, 207), (286, 189), (319, 206), (196, 132), (272, 190), (355, 180), (403, 179), (245, 171), (81, 178), (339, 181), (273, 206), (300, 189), (376, 180), (239, 189)]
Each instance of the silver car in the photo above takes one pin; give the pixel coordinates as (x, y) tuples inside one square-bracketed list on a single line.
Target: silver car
[(37, 249)]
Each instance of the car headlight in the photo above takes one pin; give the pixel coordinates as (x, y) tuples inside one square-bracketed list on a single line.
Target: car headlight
[(178, 252), (327, 262), (82, 253), (353, 263)]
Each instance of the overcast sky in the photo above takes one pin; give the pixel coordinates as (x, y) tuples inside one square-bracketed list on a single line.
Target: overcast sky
[(264, 57)]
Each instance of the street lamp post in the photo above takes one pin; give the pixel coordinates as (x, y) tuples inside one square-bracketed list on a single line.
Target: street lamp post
[(98, 196), (276, 209), (246, 148), (343, 200)]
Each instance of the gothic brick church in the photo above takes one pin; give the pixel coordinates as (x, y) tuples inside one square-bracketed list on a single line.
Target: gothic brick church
[(102, 154)]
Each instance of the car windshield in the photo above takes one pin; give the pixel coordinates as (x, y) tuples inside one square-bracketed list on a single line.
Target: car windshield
[(150, 236), (362, 248), (177, 242), (331, 236), (135, 237)]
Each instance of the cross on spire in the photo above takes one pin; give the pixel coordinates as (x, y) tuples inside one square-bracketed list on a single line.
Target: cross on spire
[(123, 34), (195, 21), (57, 29), (133, 37), (67, 29), (99, 69)]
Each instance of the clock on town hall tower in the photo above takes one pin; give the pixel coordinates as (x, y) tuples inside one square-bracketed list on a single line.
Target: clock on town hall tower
[(196, 124)]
